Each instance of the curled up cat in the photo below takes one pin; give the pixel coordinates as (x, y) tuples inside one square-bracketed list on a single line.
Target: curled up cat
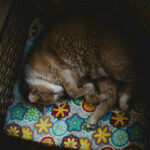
[(75, 49)]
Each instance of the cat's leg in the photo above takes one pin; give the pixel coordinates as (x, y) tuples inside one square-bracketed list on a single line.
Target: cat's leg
[(95, 98), (107, 99), (70, 80), (120, 62), (100, 111), (126, 95), (104, 85)]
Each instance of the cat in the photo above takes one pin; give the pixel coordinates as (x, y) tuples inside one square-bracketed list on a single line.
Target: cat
[(80, 48)]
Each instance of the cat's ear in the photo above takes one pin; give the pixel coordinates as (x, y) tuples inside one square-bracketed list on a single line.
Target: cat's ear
[(33, 95)]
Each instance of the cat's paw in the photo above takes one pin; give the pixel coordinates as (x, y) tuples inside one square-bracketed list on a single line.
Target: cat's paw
[(91, 98), (91, 123), (89, 86), (123, 101), (124, 107)]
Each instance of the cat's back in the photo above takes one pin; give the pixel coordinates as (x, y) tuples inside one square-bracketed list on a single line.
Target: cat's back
[(77, 39), (80, 41)]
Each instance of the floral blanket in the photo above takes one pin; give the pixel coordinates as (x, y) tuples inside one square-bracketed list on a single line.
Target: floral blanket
[(65, 122)]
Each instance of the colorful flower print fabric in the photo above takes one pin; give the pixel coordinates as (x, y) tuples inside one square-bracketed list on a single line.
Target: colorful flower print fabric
[(65, 124)]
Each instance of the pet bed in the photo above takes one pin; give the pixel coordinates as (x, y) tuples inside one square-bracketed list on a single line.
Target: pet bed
[(65, 122)]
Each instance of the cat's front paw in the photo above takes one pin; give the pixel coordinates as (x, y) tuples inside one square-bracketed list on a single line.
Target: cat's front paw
[(91, 98), (123, 101), (89, 86), (91, 123), (124, 107)]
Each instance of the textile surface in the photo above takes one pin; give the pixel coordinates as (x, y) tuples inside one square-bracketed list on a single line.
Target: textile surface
[(65, 122)]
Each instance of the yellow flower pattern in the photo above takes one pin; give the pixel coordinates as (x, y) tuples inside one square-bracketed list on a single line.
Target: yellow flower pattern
[(14, 130), (102, 135), (70, 143), (88, 107), (119, 119), (85, 144), (48, 140), (43, 125), (27, 133), (61, 110)]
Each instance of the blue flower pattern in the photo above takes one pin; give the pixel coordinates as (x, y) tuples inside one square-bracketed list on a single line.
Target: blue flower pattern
[(59, 128), (119, 138), (135, 132), (107, 116), (77, 101), (49, 108), (18, 112), (75, 123)]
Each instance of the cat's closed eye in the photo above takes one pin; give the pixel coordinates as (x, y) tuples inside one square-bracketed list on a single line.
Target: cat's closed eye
[(34, 92), (47, 93)]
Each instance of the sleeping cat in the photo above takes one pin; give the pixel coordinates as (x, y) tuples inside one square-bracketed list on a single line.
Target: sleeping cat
[(77, 49)]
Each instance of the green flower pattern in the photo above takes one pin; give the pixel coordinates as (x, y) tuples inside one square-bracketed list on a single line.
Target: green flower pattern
[(32, 114)]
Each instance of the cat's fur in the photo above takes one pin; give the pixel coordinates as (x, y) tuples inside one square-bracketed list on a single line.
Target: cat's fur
[(76, 49)]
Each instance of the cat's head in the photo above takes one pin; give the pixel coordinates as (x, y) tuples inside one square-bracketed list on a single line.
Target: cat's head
[(44, 94), (41, 92)]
